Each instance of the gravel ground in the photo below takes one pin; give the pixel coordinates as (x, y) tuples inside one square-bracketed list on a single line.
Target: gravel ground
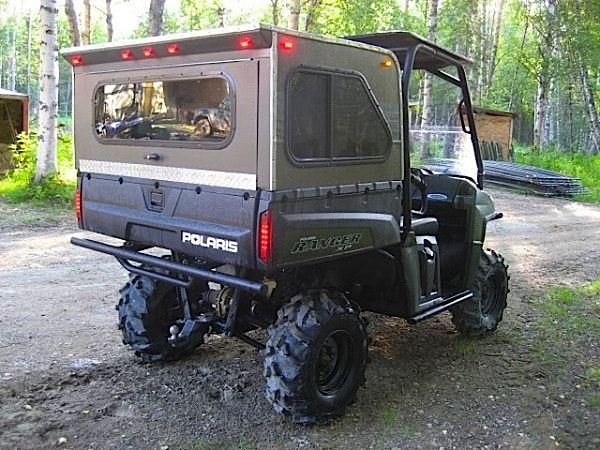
[(67, 381)]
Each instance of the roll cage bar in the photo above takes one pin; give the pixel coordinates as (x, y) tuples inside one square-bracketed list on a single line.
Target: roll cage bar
[(415, 53)]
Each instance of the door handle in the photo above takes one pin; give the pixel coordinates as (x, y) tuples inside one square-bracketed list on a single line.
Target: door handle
[(152, 157)]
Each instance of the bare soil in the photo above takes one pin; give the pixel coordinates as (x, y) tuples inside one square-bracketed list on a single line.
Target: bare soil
[(67, 381)]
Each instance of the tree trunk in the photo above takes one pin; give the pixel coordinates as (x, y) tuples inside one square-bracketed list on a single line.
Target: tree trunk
[(13, 58), (541, 106), (86, 36), (590, 106), (294, 18), (427, 118), (275, 11), (310, 14), (155, 17), (109, 23), (73, 23), (494, 46), (29, 39), (46, 163)]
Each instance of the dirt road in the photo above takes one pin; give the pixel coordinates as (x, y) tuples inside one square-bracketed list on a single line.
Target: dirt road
[(67, 381)]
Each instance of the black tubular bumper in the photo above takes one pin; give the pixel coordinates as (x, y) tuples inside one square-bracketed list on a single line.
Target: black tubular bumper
[(124, 255)]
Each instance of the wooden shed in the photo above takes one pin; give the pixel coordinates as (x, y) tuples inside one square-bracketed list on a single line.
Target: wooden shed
[(494, 129), (14, 119)]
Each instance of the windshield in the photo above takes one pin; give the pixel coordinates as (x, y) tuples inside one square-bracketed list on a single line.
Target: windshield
[(438, 141)]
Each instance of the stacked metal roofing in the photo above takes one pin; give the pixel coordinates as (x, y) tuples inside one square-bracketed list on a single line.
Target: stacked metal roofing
[(530, 179)]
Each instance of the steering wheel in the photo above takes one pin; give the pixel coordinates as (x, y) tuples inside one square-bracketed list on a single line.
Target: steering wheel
[(416, 177)]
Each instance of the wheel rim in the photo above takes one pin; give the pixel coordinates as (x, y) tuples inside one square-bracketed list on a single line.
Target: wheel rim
[(491, 295), (333, 362)]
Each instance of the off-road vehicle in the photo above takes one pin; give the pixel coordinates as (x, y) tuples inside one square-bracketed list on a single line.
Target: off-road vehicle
[(300, 213)]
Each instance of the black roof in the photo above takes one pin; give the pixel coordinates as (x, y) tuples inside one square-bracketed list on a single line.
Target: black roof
[(429, 56)]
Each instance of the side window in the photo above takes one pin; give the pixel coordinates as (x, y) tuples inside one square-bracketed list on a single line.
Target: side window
[(333, 117), (169, 110)]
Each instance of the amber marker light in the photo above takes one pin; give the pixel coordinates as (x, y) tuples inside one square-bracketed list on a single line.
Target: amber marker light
[(387, 63), (286, 44), (173, 49), (148, 52)]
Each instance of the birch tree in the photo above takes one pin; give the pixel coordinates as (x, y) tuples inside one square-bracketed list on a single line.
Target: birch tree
[(294, 17), (73, 23), (427, 118), (109, 21), (86, 35), (46, 162), (155, 17)]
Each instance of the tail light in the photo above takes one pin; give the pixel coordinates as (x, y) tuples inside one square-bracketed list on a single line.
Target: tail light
[(265, 236), (78, 204)]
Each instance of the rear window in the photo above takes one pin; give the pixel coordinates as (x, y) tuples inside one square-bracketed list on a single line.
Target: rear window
[(334, 117), (196, 110)]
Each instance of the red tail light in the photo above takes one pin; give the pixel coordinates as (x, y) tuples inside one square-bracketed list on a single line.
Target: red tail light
[(78, 206), (126, 54), (77, 60), (148, 52), (265, 236), (246, 43), (286, 44), (173, 49)]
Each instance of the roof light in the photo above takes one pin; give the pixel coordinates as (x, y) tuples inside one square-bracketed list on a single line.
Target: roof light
[(173, 49), (286, 44), (148, 52), (126, 54), (387, 63), (77, 60), (246, 43)]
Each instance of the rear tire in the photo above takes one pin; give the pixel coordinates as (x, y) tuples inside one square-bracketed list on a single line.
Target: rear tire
[(316, 356), (482, 314), (147, 309)]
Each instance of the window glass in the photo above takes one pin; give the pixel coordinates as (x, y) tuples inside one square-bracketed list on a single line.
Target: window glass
[(181, 110), (309, 115), (332, 116)]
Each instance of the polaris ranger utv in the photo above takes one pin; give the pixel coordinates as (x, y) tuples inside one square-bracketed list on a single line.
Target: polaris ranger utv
[(274, 170)]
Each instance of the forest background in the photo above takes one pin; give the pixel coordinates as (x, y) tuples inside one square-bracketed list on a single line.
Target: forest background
[(537, 58)]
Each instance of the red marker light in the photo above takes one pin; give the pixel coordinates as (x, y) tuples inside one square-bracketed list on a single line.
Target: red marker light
[(126, 54), (78, 205), (286, 44), (265, 236), (77, 60), (173, 49), (246, 43), (148, 52)]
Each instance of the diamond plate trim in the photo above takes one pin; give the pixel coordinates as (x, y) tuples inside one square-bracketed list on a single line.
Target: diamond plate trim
[(176, 174)]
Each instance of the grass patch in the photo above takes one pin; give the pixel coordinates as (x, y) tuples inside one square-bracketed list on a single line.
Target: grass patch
[(593, 401), (466, 347), (585, 167), (18, 187), (570, 317), (203, 443)]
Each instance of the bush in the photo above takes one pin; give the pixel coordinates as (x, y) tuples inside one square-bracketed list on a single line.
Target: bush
[(18, 186), (585, 167)]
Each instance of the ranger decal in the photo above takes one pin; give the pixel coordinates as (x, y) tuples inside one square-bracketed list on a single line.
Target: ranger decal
[(209, 242), (312, 243)]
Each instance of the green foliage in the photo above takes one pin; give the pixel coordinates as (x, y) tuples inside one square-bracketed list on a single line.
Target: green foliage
[(19, 187), (586, 167)]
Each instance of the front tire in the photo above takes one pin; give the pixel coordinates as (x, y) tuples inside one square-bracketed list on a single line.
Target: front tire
[(481, 315), (316, 356), (147, 308)]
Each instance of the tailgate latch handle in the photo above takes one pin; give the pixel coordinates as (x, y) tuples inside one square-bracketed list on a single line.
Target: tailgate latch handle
[(152, 157)]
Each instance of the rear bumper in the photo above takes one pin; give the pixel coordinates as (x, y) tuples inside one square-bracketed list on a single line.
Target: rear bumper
[(125, 255)]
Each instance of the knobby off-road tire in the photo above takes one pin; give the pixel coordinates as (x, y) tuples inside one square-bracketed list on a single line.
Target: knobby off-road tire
[(482, 314), (315, 357), (147, 308)]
